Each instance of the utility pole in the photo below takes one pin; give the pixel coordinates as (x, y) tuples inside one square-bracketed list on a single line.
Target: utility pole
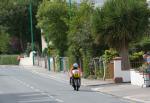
[(31, 25)]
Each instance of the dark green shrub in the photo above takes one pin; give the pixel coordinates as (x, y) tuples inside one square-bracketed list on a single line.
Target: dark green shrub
[(86, 69), (109, 55), (8, 60), (136, 59)]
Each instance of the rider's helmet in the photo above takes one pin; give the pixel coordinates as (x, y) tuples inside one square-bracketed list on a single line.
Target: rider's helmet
[(75, 65)]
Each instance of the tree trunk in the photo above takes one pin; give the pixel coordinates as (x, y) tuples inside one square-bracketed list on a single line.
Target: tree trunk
[(54, 64), (125, 57), (21, 42)]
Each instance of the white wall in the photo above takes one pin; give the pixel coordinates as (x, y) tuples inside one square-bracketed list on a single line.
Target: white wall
[(137, 78), (118, 72), (27, 61), (52, 64), (44, 44)]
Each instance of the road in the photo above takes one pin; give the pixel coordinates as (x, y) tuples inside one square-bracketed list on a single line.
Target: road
[(18, 85)]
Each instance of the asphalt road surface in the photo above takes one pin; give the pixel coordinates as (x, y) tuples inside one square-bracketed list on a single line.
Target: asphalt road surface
[(18, 85)]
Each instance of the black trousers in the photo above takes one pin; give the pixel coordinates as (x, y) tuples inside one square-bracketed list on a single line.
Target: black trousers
[(71, 80)]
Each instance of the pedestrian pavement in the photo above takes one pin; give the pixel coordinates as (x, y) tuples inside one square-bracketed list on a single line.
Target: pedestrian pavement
[(122, 90), (126, 91), (64, 76)]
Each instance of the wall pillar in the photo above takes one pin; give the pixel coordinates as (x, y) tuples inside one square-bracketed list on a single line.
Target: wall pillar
[(119, 74)]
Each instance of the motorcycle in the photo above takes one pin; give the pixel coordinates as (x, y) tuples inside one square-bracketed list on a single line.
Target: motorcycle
[(76, 80)]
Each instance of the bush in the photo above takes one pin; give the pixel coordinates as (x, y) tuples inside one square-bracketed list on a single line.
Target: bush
[(109, 55), (8, 60), (4, 41), (136, 59), (86, 70)]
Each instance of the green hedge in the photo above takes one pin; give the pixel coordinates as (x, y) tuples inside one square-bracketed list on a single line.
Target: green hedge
[(8, 60)]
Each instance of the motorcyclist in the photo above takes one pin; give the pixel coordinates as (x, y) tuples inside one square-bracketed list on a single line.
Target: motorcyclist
[(75, 66)]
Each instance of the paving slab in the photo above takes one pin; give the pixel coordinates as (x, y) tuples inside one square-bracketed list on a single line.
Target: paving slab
[(126, 91)]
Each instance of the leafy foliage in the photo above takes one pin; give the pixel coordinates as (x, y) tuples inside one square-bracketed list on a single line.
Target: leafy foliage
[(80, 38), (4, 41), (51, 17), (137, 56), (136, 59), (109, 55), (142, 44), (14, 16), (129, 20)]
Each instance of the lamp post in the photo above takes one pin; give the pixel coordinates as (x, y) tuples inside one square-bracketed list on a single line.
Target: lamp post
[(31, 28)]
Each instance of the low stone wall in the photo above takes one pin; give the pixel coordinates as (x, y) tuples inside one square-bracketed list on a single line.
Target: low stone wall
[(137, 78), (119, 73), (27, 61)]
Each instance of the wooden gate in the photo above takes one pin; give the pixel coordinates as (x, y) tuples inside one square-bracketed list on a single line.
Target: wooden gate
[(110, 70)]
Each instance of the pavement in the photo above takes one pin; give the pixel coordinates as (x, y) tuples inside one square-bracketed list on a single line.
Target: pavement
[(123, 90), (126, 91)]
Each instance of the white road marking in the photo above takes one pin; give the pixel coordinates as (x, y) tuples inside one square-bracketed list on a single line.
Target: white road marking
[(135, 99), (59, 100), (26, 95), (27, 85), (30, 101), (51, 96), (94, 89), (32, 87), (43, 93), (52, 77), (37, 90)]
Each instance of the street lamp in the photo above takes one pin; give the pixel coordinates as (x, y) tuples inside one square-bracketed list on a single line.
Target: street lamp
[(31, 25)]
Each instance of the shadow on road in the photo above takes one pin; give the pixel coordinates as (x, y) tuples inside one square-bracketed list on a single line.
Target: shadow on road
[(31, 97)]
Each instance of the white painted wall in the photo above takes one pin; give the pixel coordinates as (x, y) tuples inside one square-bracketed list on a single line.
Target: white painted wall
[(44, 44), (137, 78), (118, 72), (52, 64), (27, 61)]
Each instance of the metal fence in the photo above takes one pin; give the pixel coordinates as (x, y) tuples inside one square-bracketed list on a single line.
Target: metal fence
[(41, 61), (136, 65), (97, 67), (53, 63)]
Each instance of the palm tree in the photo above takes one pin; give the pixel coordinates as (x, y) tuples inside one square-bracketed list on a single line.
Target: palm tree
[(118, 22)]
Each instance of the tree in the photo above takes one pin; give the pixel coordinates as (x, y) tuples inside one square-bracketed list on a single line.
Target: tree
[(80, 34), (80, 28), (51, 17), (14, 16), (119, 22), (4, 41)]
